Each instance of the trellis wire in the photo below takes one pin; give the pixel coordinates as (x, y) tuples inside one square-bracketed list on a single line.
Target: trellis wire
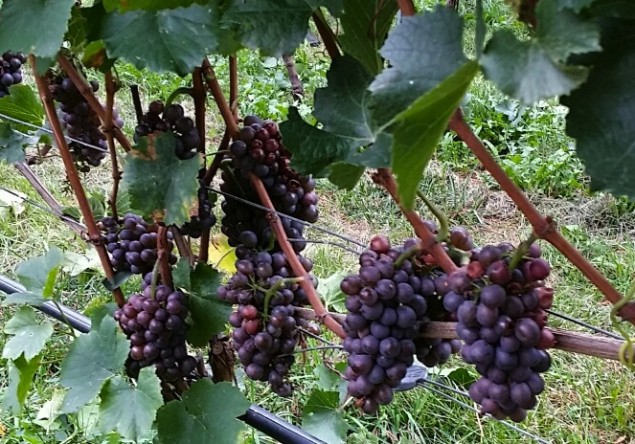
[(50, 131), (584, 324), (295, 219), (424, 382)]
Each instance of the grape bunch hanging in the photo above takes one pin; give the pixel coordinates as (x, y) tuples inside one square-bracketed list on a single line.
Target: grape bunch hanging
[(10, 70), (154, 322), (132, 244), (499, 301), (264, 287), (204, 219), (80, 122), (172, 118), (259, 151)]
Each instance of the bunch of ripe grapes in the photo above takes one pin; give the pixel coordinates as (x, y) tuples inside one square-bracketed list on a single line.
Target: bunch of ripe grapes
[(10, 70)]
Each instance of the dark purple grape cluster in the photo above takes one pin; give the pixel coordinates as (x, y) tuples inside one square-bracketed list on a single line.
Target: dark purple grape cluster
[(501, 320), (155, 325), (132, 244), (81, 122), (172, 118), (386, 303), (264, 324), (10, 70), (259, 151), (204, 218)]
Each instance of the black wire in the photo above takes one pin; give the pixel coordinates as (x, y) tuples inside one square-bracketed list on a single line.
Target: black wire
[(584, 324)]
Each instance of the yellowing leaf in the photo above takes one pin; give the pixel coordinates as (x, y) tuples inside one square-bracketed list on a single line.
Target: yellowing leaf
[(221, 255)]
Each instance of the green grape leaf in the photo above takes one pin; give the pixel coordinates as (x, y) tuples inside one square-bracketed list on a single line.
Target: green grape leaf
[(148, 5), (313, 149), (344, 175), (130, 409), (12, 144), (418, 129), (39, 274), (181, 37), (321, 418), (332, 294), (619, 9), (18, 32), (416, 67), (209, 314), (536, 69), (22, 104), (21, 372), (601, 118), (28, 337), (92, 359), (206, 414), (159, 184), (276, 27), (25, 298), (365, 25), (181, 274), (342, 107)]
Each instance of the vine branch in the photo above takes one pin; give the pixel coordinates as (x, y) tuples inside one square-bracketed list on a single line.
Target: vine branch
[(212, 83), (429, 241), (73, 178), (200, 100), (87, 92), (163, 254), (108, 130), (322, 315), (327, 34), (233, 85), (544, 228), (297, 90)]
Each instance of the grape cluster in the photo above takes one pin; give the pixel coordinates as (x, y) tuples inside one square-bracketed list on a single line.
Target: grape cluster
[(172, 118), (204, 219), (259, 151), (81, 122), (386, 303), (501, 320), (10, 70), (264, 325), (155, 325), (132, 244)]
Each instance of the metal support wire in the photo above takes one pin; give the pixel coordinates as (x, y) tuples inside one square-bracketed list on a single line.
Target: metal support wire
[(586, 325), (508, 424), (255, 416)]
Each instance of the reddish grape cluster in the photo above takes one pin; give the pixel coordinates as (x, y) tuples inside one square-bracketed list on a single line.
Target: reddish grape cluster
[(386, 304), (132, 244), (500, 308), (155, 325), (265, 333)]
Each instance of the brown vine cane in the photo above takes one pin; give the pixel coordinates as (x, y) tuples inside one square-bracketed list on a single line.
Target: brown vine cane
[(87, 92), (73, 178), (566, 340), (108, 130)]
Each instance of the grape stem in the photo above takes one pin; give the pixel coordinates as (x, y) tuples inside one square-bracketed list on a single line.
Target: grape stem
[(297, 90), (108, 131), (544, 228), (200, 100), (407, 254), (212, 83), (136, 101), (233, 85), (307, 284), (182, 245), (87, 92), (74, 180), (181, 91), (521, 251), (444, 228), (269, 293), (429, 242), (164, 256), (326, 33)]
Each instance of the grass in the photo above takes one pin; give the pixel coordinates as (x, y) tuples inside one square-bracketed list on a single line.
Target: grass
[(587, 400)]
